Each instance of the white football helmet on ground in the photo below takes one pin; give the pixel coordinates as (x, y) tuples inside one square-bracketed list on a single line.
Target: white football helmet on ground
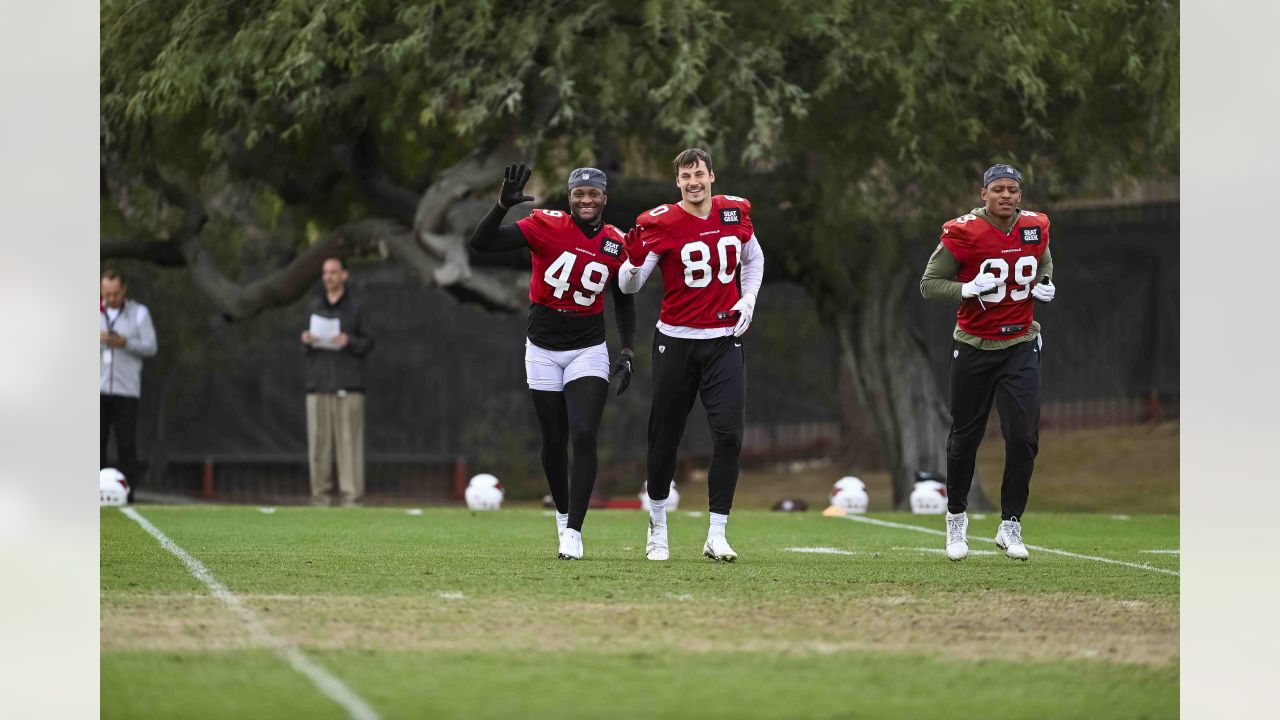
[(484, 492), (673, 500), (929, 496), (113, 488), (850, 493)]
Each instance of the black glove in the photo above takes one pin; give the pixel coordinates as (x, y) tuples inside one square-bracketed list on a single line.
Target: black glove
[(622, 369), (513, 180)]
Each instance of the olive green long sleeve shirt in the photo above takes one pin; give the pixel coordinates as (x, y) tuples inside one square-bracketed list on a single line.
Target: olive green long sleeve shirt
[(939, 283)]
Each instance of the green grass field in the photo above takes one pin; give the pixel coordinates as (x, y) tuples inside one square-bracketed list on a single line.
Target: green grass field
[(449, 614)]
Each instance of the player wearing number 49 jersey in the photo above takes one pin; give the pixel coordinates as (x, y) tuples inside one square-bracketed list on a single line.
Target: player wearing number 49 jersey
[(995, 262), (712, 266), (576, 257)]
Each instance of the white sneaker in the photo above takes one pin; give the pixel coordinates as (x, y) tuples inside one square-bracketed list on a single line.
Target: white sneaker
[(655, 547), (958, 536), (570, 545), (717, 548), (1009, 539)]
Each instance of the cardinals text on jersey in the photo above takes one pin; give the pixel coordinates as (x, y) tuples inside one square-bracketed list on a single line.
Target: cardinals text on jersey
[(1013, 258), (570, 270), (699, 259)]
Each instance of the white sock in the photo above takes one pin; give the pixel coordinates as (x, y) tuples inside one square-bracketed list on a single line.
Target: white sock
[(658, 511), (562, 521), (718, 523)]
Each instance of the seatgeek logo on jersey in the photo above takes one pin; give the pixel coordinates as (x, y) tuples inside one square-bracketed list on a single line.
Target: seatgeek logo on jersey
[(730, 216), (1030, 236), (612, 248)]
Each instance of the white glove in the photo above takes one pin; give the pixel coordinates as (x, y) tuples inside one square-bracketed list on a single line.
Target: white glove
[(983, 283), (1043, 291), (745, 307)]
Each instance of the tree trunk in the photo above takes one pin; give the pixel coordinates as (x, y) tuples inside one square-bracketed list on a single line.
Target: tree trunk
[(890, 371)]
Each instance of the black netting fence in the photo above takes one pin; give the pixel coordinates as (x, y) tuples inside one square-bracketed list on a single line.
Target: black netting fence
[(223, 415)]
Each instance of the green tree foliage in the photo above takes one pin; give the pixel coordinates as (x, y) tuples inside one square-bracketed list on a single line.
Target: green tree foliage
[(274, 85)]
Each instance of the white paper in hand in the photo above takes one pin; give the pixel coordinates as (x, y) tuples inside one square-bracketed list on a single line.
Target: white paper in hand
[(325, 330)]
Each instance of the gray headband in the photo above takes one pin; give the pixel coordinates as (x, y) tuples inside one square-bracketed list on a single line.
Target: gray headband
[(588, 176), (995, 172)]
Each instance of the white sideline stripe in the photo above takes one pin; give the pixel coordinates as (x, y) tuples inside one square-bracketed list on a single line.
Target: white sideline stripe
[(1055, 551), (328, 684)]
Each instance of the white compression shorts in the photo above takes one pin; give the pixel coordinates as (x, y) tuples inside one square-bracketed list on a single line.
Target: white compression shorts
[(551, 369)]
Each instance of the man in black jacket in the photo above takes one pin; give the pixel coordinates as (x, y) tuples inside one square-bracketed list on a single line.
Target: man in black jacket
[(336, 344)]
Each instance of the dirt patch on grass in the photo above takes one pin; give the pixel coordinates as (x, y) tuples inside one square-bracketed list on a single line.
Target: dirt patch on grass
[(176, 623), (970, 626)]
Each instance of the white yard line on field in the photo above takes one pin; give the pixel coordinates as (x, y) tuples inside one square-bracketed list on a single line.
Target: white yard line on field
[(1055, 551), (820, 550), (328, 684), (936, 550)]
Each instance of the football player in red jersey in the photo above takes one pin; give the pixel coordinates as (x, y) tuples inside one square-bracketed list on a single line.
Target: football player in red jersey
[(711, 266), (995, 262), (576, 256)]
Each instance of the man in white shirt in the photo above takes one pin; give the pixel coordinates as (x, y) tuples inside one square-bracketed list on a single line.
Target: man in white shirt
[(125, 336)]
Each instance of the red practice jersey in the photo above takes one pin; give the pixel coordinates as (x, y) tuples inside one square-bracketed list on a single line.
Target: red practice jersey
[(570, 270), (1013, 258), (699, 259)]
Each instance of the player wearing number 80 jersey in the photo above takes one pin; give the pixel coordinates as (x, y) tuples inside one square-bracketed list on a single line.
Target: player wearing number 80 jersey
[(712, 266), (995, 262), (576, 257), (699, 259)]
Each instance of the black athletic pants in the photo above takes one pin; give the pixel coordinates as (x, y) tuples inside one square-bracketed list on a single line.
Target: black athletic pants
[(1010, 377), (716, 369), (571, 417), (120, 412)]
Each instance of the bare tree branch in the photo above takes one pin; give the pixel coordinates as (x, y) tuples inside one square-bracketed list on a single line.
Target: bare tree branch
[(479, 169), (430, 226), (289, 282), (488, 290)]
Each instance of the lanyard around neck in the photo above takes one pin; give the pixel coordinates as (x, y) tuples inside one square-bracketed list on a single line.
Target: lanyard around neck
[(111, 322)]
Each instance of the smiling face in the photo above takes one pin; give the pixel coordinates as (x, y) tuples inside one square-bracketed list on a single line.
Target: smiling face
[(1002, 197), (587, 203), (694, 182)]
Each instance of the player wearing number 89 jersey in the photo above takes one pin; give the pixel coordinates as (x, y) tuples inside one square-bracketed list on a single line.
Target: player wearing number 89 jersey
[(1012, 257), (995, 262), (576, 257), (712, 266)]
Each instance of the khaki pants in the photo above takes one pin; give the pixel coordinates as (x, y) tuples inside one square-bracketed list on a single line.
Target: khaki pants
[(335, 422)]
